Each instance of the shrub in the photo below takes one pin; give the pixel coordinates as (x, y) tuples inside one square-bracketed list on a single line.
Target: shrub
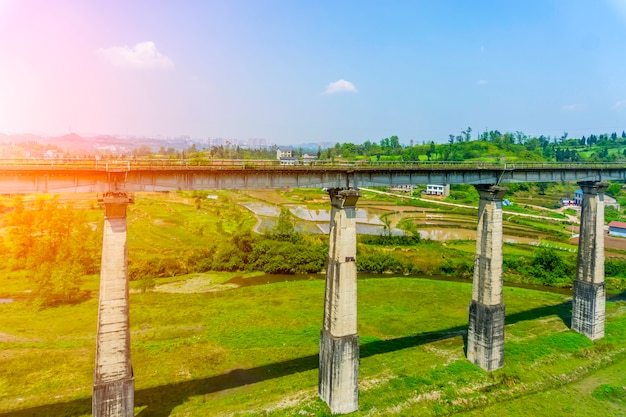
[(549, 268)]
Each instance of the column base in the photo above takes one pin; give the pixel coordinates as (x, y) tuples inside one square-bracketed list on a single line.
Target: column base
[(588, 306), (339, 372), (485, 336), (114, 399)]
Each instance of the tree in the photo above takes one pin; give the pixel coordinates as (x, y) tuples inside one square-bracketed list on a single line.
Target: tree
[(408, 227), (143, 150), (614, 189), (549, 267), (386, 219), (55, 242), (348, 150), (467, 134), (431, 150), (542, 186), (284, 229)]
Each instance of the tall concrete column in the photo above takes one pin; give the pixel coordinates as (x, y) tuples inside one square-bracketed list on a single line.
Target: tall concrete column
[(485, 336), (114, 384), (339, 342), (589, 288)]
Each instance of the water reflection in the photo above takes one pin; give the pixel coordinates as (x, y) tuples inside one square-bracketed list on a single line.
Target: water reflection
[(368, 223), (262, 209)]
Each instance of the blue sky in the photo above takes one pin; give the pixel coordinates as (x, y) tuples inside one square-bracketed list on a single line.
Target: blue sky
[(309, 71)]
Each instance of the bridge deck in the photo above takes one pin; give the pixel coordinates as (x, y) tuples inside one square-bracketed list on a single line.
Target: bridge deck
[(79, 175)]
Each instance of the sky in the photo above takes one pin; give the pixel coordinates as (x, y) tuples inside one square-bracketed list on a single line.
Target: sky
[(300, 71)]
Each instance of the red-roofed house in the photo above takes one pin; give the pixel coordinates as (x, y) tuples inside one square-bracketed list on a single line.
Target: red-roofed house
[(617, 228)]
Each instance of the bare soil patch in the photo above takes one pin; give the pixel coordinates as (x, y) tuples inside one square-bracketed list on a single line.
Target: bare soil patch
[(610, 242), (8, 338), (194, 285)]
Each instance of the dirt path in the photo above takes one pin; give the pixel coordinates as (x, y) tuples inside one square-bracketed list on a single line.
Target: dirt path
[(7, 337)]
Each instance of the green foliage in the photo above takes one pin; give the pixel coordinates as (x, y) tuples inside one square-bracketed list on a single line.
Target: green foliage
[(275, 257), (614, 189), (390, 240), (255, 346), (378, 262), (56, 243), (146, 282), (613, 393), (611, 214), (409, 227), (615, 267), (550, 268), (463, 193), (285, 229), (547, 266)]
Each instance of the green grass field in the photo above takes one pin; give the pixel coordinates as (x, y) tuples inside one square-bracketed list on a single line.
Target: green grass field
[(253, 351), (201, 346)]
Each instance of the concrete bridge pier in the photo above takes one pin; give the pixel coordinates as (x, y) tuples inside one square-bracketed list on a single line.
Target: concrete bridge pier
[(339, 342), (589, 300), (114, 384), (485, 336)]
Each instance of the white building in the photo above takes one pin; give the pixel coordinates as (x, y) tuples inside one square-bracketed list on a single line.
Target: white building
[(436, 189), (289, 161), (578, 197), (283, 153), (308, 159)]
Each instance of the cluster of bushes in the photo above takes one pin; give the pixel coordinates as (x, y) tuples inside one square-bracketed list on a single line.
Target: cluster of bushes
[(546, 267), (384, 240), (378, 262), (615, 268), (242, 252), (281, 251)]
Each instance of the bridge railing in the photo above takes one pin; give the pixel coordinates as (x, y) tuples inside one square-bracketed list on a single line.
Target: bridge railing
[(230, 164)]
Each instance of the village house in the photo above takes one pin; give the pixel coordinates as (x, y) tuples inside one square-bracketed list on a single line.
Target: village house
[(439, 190), (617, 229), (283, 153)]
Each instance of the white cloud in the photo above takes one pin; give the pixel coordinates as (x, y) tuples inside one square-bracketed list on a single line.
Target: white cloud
[(621, 104), (482, 82), (571, 107), (143, 55), (341, 86)]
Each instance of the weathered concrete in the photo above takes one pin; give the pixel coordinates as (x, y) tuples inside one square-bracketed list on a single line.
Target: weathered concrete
[(588, 305), (339, 342), (51, 176), (113, 388), (485, 337)]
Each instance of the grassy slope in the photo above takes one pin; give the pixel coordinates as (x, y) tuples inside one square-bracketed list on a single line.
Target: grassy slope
[(253, 349)]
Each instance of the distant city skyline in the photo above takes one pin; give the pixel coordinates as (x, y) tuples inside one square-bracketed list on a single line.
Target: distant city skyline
[(293, 72)]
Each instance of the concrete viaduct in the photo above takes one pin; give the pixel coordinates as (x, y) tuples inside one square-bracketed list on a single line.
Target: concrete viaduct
[(113, 387)]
